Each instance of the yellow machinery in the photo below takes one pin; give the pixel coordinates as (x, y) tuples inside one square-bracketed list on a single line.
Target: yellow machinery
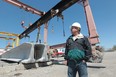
[(10, 36)]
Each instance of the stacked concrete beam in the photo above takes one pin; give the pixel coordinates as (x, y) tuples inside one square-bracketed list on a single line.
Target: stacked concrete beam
[(27, 53)]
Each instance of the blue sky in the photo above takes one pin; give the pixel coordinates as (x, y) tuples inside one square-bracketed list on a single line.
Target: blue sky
[(104, 13)]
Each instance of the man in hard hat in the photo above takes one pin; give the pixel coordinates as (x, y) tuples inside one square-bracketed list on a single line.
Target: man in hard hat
[(77, 52)]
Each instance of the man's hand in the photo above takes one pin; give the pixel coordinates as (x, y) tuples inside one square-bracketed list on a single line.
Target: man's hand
[(65, 62), (84, 61)]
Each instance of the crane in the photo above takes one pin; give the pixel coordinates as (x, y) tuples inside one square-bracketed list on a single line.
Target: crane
[(13, 37), (61, 6)]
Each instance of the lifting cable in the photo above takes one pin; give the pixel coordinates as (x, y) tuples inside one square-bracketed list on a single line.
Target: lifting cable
[(63, 27), (38, 35), (62, 17), (52, 27)]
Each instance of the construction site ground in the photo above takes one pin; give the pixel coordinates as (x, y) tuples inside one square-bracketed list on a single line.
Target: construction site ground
[(105, 69)]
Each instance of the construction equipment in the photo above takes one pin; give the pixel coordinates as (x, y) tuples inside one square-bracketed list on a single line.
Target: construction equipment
[(56, 10), (10, 36)]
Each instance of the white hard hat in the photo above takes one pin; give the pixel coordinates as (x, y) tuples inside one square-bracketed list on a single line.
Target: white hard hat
[(76, 24)]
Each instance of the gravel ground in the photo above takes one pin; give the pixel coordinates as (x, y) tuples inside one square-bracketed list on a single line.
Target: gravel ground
[(94, 70)]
